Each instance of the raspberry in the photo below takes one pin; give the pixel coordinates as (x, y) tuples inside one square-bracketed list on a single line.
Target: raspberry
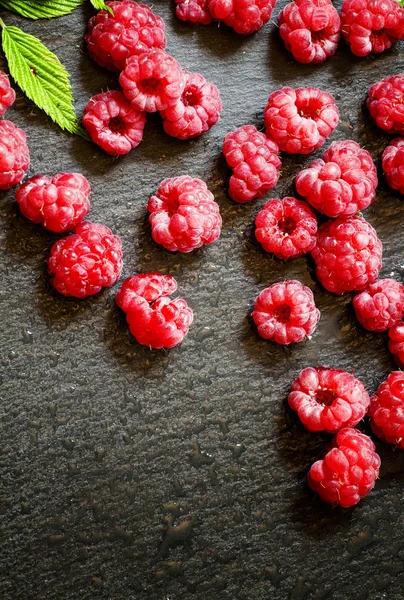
[(131, 30), (286, 227), (328, 399), (244, 16), (184, 215), (393, 164), (7, 94), (285, 312), (311, 29), (348, 471), (85, 262), (154, 319), (372, 25), (386, 410), (152, 81), (58, 203), (255, 163), (343, 182), (348, 254), (113, 123), (396, 343), (386, 103), (14, 155), (300, 120), (194, 11), (196, 111), (380, 305)]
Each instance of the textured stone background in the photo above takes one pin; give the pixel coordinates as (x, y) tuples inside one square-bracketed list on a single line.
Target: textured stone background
[(129, 473)]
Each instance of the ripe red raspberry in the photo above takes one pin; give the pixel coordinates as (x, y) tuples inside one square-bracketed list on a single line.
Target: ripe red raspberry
[(386, 104), (311, 29), (372, 25), (244, 16), (285, 312), (299, 120), (255, 162), (396, 343), (86, 261), (194, 11), (348, 254), (154, 319), (7, 94), (286, 227), (131, 30), (184, 215), (113, 123), (152, 81), (343, 182), (393, 164), (58, 203), (380, 305), (14, 155), (196, 111), (386, 410), (348, 471)]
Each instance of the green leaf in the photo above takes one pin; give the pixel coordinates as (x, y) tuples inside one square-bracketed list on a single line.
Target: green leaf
[(41, 9), (100, 5), (41, 76)]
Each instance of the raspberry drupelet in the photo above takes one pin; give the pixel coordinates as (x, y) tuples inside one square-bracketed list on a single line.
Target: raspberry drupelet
[(131, 30), (380, 305), (311, 29), (194, 11), (14, 155), (285, 312), (328, 399), (255, 162), (396, 343), (372, 25), (184, 214), (86, 261), (348, 471), (348, 254), (342, 182), (299, 120), (154, 319), (386, 410), (244, 16), (113, 123), (286, 227), (386, 103), (393, 164), (7, 94), (196, 111), (58, 203)]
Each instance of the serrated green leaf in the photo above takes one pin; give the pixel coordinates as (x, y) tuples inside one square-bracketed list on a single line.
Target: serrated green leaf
[(41, 9), (100, 5)]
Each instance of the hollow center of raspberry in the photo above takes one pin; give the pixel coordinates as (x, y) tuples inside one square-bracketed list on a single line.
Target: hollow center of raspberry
[(287, 225), (282, 313), (325, 397), (309, 112), (191, 96), (117, 125), (149, 86)]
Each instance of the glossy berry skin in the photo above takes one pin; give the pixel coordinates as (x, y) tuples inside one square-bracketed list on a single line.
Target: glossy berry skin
[(132, 30), (7, 94), (386, 410), (196, 111), (396, 343), (244, 16), (328, 399), (299, 120), (393, 164), (287, 228), (113, 123), (348, 254), (342, 182), (285, 312), (372, 25), (14, 155), (348, 471), (193, 11), (154, 319), (255, 162), (310, 29), (57, 203), (380, 305), (86, 261), (386, 104)]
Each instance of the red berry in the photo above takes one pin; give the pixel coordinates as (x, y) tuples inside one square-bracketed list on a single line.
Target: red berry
[(343, 182), (196, 111), (14, 155), (393, 164), (58, 203), (285, 312), (380, 305), (184, 215), (348, 254), (194, 11), (348, 471), (255, 162), (386, 103), (286, 227), (386, 410), (7, 94), (154, 319), (131, 30), (85, 262), (311, 29), (299, 120), (244, 16), (396, 343)]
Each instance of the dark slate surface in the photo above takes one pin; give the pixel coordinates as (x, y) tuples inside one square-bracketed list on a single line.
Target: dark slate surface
[(130, 473)]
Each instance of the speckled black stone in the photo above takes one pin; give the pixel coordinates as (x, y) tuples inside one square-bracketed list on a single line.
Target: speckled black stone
[(150, 475)]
